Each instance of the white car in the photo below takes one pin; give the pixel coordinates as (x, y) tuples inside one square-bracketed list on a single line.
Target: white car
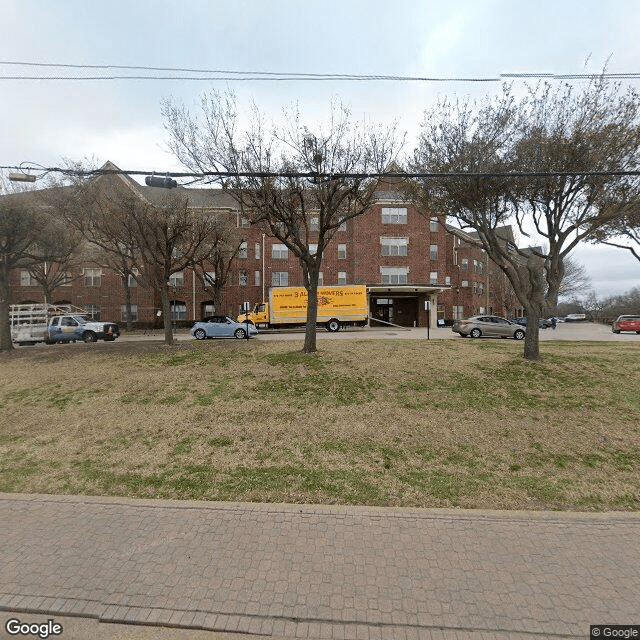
[(221, 327)]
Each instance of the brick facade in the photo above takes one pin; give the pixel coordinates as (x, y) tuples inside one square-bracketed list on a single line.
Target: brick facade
[(392, 243)]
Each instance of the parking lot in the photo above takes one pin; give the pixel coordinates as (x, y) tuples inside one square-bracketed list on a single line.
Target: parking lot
[(566, 331)]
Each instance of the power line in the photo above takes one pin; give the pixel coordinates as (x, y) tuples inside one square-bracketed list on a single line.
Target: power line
[(321, 176), (232, 75)]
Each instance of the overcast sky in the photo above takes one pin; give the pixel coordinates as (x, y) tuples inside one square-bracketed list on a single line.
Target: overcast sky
[(46, 121)]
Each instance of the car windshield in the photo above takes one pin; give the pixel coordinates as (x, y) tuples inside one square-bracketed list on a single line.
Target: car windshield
[(628, 318), (82, 319)]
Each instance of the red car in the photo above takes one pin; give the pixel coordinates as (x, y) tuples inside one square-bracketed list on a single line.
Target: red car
[(626, 323)]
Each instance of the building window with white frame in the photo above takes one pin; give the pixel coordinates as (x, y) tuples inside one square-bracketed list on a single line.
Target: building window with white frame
[(279, 252), (320, 279), (243, 251), (257, 278), (92, 277), (342, 277), (394, 215), (243, 278), (244, 222), (343, 226), (433, 277), (394, 246), (314, 223), (342, 252), (178, 310), (394, 275), (464, 264), (257, 251), (279, 278), (209, 278), (433, 252), (313, 249), (176, 279), (27, 280), (433, 224), (134, 312)]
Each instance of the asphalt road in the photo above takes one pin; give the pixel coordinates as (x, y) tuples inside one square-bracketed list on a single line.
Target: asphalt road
[(579, 331)]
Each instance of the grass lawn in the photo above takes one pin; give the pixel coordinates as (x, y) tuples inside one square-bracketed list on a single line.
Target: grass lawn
[(399, 422)]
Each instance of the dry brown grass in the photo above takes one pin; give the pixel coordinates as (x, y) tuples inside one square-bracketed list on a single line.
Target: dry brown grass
[(395, 422)]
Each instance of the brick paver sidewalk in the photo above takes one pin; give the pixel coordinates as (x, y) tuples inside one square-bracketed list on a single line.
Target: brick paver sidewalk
[(320, 572)]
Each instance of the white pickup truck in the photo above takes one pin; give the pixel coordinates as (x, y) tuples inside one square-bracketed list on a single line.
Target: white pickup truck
[(40, 323)]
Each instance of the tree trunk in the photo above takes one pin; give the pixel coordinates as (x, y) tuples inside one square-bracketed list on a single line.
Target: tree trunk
[(311, 273), (166, 312), (5, 322), (532, 337)]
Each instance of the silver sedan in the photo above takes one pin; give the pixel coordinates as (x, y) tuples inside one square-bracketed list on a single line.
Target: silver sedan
[(490, 326)]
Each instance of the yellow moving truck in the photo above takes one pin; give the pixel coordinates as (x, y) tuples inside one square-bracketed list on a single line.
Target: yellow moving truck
[(287, 307)]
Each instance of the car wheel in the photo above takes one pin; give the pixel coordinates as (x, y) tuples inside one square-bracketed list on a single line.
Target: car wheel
[(333, 325), (200, 334), (518, 335), (89, 336), (475, 333), (614, 331), (240, 334)]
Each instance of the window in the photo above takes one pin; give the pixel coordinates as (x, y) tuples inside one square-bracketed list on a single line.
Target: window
[(243, 251), (447, 280), (279, 278), (433, 277), (433, 252), (464, 283), (458, 312), (464, 265), (67, 280), (93, 311), (134, 312), (92, 277), (243, 278), (257, 279), (26, 280), (314, 223), (343, 226), (279, 252), (131, 281), (244, 222), (178, 310), (394, 246), (433, 225), (479, 266), (394, 275), (258, 251), (394, 215), (313, 249), (176, 279), (209, 278), (342, 277), (320, 279), (342, 252)]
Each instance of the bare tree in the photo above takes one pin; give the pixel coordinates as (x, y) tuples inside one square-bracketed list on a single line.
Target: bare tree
[(623, 233), (567, 148), (27, 229), (575, 280), (302, 211)]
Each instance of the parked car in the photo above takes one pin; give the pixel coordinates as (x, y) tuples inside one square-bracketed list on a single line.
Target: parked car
[(626, 323), (543, 323), (490, 326), (576, 317), (221, 327)]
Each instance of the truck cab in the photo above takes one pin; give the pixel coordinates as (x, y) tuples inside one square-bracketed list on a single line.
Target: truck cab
[(78, 327), (258, 317)]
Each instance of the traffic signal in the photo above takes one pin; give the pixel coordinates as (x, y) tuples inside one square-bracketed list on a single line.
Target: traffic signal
[(159, 181)]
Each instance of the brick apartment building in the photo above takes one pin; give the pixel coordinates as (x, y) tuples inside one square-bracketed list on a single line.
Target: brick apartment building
[(416, 271)]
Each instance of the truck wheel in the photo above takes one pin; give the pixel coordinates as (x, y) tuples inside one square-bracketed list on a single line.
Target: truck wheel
[(89, 336), (333, 325), (200, 334), (240, 334)]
